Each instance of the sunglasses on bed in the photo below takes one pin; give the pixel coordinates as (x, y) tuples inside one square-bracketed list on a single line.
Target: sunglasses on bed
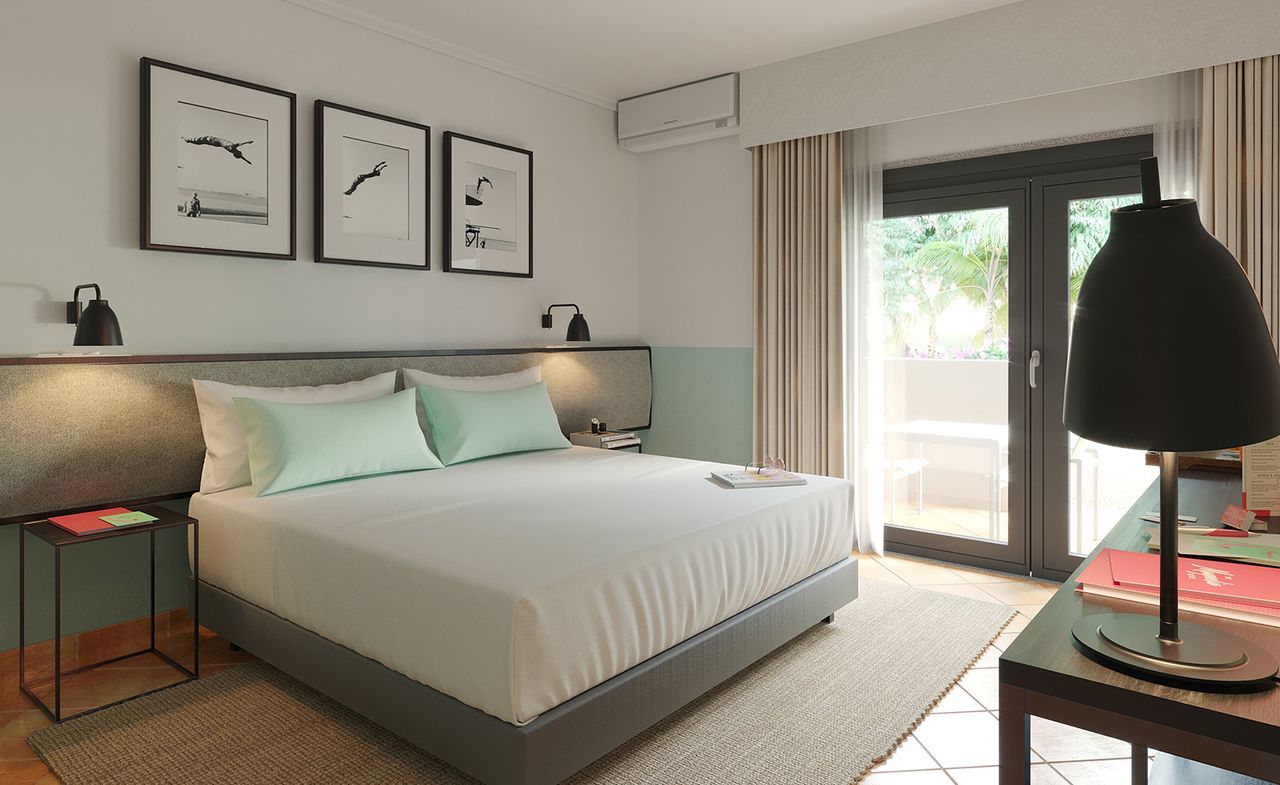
[(767, 467)]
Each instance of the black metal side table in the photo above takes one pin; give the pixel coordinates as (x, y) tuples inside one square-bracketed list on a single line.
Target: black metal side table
[(60, 538)]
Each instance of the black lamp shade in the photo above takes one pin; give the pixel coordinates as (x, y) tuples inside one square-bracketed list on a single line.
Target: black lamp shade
[(1169, 348), (98, 326), (578, 329)]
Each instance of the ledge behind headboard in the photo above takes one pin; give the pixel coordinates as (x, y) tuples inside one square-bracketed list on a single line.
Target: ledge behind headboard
[(80, 431)]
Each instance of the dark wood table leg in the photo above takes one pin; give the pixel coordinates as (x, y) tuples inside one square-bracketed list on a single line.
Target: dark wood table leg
[(1015, 737), (1138, 764)]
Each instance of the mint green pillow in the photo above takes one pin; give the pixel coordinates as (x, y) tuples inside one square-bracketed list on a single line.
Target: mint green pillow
[(293, 445), (470, 424)]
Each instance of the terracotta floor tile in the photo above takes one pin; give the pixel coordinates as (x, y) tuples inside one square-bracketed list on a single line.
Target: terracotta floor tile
[(1057, 742), (26, 772), (1041, 774), (15, 726), (984, 685), (1029, 611), (910, 756), (989, 659), (1011, 593), (921, 573), (98, 686), (1018, 623), (1004, 639), (934, 777), (872, 570), (974, 575), (960, 739), (957, 700)]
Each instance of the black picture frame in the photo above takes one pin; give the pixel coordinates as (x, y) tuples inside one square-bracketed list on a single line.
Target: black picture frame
[(147, 240), (449, 209), (322, 256)]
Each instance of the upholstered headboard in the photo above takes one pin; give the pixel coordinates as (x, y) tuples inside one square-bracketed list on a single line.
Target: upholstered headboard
[(79, 431)]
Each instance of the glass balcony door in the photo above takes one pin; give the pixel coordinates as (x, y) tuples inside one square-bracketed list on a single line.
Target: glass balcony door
[(953, 311), (1086, 486)]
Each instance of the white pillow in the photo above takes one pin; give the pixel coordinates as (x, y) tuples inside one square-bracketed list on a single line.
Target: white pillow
[(226, 451), (502, 381), (414, 378)]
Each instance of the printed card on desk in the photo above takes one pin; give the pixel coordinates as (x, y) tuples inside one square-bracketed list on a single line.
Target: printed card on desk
[(1238, 518), (1260, 477)]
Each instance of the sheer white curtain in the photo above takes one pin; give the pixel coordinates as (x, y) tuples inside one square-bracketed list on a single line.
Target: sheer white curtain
[(864, 342), (1177, 135)]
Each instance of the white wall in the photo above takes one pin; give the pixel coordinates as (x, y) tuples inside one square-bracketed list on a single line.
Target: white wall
[(1009, 53), (69, 207), (695, 245)]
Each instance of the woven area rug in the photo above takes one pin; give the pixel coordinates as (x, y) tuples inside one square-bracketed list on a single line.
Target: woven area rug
[(821, 710)]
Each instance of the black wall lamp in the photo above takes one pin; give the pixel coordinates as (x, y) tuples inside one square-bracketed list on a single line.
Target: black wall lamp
[(578, 330), (96, 324)]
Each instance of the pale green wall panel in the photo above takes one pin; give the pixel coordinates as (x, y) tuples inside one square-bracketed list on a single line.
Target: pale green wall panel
[(103, 582), (701, 403)]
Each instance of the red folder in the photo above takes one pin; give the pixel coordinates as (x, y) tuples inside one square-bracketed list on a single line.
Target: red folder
[(1096, 578), (87, 522), (1210, 579)]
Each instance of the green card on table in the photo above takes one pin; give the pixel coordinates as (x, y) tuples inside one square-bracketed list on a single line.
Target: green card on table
[(129, 518)]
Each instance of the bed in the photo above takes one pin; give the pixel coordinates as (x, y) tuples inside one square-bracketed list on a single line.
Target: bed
[(518, 617), (511, 586)]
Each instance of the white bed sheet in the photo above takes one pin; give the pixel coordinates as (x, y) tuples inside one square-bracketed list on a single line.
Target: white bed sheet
[(515, 583)]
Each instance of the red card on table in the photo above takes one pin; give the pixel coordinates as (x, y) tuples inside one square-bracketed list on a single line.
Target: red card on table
[(87, 522)]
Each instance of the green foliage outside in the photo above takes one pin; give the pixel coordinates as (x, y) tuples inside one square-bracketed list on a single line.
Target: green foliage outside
[(933, 262)]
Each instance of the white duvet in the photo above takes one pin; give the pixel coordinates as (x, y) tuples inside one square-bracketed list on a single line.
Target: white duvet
[(515, 583)]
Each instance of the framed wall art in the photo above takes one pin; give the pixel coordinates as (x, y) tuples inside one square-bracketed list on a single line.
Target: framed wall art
[(488, 207), (372, 197), (219, 167)]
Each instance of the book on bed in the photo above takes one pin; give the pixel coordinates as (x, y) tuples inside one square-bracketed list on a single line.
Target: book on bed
[(739, 478)]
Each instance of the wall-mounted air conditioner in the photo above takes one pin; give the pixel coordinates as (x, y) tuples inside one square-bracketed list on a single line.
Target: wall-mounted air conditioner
[(679, 115)]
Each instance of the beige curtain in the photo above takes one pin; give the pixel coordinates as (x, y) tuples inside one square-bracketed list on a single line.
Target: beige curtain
[(798, 406), (1239, 170)]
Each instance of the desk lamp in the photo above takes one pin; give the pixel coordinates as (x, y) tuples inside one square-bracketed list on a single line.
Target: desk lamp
[(1170, 352)]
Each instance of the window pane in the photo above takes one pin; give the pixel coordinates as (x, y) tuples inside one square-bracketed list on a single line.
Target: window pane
[(946, 351), (1104, 481)]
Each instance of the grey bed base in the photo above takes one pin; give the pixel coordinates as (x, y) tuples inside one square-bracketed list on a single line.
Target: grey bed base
[(565, 739)]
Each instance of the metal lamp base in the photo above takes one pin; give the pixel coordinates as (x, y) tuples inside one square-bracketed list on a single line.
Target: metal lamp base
[(1203, 659)]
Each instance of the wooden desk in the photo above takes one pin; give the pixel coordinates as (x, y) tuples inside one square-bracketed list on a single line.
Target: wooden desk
[(1042, 673)]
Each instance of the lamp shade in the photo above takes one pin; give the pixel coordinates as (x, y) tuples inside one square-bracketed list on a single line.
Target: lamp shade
[(98, 326), (1169, 347), (578, 329)]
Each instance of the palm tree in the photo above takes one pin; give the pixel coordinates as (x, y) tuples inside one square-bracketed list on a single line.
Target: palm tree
[(974, 265), (1088, 225)]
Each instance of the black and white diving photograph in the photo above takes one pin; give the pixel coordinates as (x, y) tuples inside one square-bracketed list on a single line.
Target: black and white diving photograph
[(371, 188), (219, 168), (488, 207), (376, 199), (217, 178)]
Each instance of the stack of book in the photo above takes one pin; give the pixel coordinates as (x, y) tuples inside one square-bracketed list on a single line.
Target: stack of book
[(753, 478), (605, 440), (1246, 592)]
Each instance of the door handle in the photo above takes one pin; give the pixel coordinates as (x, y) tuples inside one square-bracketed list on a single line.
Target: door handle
[(1032, 365)]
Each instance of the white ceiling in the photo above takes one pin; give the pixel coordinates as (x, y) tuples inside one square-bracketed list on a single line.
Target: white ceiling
[(603, 50)]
